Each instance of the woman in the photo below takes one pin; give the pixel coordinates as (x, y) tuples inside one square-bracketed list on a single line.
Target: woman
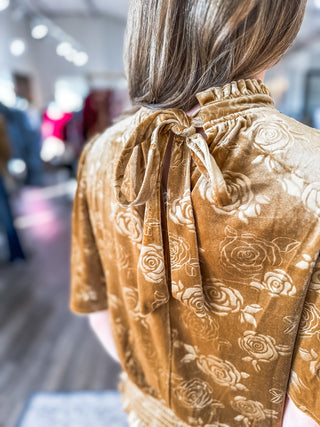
[(196, 230)]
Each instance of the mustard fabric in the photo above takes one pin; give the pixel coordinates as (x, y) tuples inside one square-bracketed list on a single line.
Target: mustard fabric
[(213, 284)]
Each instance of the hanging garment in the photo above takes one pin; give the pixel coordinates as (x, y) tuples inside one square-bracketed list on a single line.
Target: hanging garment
[(213, 285)]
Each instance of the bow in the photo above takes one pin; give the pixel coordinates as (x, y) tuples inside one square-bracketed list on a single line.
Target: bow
[(153, 134)]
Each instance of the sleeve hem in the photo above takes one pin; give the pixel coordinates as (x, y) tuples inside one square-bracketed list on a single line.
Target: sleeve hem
[(304, 409), (88, 309)]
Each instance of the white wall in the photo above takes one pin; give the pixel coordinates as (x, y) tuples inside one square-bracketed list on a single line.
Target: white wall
[(101, 37)]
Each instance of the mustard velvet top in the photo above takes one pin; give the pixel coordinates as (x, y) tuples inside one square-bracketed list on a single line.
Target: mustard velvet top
[(214, 285)]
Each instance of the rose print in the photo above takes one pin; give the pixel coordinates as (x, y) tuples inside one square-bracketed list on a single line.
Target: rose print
[(223, 300), (86, 293), (271, 136), (315, 281), (222, 372), (310, 320), (251, 410), (313, 357), (191, 297), (180, 212), (276, 282), (128, 223), (160, 298), (243, 202), (311, 197), (204, 328), (151, 263), (194, 393), (179, 251), (296, 382), (292, 323), (131, 297), (247, 253), (261, 348), (239, 189), (278, 396)]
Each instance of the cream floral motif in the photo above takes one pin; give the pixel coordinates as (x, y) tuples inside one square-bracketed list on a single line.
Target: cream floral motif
[(123, 258), (160, 298), (292, 323), (295, 185), (306, 263), (204, 328), (86, 293), (222, 372), (271, 135), (151, 263), (195, 393), (191, 297), (251, 410), (119, 329), (127, 223), (261, 348), (310, 320), (247, 254), (179, 251), (180, 211), (292, 183), (131, 298), (223, 300), (296, 382), (114, 302), (311, 197), (315, 281), (313, 357), (276, 282), (243, 202), (278, 395)]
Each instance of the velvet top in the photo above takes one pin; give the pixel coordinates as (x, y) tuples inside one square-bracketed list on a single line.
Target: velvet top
[(213, 283)]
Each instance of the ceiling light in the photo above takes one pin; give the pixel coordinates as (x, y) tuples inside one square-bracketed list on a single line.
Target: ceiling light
[(80, 59), (64, 48), (71, 55), (4, 4), (39, 31), (17, 47)]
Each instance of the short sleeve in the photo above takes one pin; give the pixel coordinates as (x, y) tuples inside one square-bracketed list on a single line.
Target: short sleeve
[(88, 285), (304, 384)]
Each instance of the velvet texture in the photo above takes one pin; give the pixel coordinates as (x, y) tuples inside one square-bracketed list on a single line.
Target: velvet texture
[(213, 284)]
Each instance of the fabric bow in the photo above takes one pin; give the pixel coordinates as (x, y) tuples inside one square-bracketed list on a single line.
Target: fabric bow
[(153, 135)]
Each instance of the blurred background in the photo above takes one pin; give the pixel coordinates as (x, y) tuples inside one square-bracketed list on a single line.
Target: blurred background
[(62, 81)]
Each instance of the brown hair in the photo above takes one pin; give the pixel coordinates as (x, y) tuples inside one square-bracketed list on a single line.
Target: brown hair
[(176, 48)]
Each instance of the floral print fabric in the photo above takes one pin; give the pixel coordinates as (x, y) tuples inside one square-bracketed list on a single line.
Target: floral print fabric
[(213, 284)]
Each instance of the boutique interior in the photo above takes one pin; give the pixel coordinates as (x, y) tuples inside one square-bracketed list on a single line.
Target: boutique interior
[(62, 81)]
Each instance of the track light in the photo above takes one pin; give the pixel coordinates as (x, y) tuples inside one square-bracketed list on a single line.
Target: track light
[(4, 4)]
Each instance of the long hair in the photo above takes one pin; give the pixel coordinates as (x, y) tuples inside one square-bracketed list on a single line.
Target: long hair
[(176, 48)]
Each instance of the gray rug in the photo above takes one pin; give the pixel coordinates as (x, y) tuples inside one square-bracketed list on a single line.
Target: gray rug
[(74, 409)]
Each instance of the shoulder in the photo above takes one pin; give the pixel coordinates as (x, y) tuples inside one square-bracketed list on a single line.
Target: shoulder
[(292, 144), (109, 143)]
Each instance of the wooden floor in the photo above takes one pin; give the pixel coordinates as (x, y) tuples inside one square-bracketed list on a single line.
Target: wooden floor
[(42, 345)]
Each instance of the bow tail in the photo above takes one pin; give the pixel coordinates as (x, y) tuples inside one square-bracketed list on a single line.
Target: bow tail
[(152, 282), (186, 282)]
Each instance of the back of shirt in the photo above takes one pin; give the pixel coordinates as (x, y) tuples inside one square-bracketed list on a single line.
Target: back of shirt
[(214, 293)]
